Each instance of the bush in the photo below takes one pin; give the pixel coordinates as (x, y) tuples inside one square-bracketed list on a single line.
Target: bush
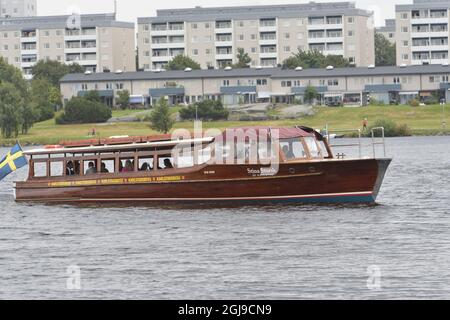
[(82, 110), (206, 110), (391, 129), (414, 103)]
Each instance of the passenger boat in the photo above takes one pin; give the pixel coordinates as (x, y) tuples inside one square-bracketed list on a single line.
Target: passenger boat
[(296, 165)]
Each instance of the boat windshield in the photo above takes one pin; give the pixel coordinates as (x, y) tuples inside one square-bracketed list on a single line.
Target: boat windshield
[(293, 149)]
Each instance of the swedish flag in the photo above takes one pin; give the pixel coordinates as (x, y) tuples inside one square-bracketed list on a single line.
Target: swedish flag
[(13, 161)]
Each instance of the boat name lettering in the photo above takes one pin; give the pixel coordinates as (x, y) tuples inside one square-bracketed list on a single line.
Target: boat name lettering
[(262, 172)]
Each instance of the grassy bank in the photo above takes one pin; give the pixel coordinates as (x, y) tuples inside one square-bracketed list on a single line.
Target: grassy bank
[(424, 120)]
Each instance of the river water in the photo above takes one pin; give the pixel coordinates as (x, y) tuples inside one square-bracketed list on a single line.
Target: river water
[(397, 249)]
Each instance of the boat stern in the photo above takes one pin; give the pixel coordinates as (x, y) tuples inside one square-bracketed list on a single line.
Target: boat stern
[(383, 165)]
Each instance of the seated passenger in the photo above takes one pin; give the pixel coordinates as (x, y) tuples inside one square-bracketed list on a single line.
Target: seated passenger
[(145, 167), (168, 164), (128, 166), (288, 153), (104, 169), (70, 171), (92, 169)]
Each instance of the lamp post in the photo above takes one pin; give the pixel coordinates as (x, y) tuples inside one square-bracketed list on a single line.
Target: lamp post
[(444, 124)]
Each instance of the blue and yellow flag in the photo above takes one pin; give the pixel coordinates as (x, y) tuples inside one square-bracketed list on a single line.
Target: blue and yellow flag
[(14, 160)]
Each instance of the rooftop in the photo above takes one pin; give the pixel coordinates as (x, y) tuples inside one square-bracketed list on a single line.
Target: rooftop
[(274, 73), (61, 22), (255, 12), (424, 4)]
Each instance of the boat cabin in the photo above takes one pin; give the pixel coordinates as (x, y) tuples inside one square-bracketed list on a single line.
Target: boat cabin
[(132, 156)]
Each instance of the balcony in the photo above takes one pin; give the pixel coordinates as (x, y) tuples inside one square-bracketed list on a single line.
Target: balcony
[(325, 39), (325, 26), (268, 41), (28, 39), (268, 27), (430, 48), (228, 43), (164, 59), (227, 56), (223, 30), (268, 55), (430, 61), (429, 20)]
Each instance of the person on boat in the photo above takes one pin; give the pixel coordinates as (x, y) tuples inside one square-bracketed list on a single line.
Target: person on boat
[(103, 168), (145, 167), (92, 169), (288, 153), (168, 164), (70, 171), (128, 166)]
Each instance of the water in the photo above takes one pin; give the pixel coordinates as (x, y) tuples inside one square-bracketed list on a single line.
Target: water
[(270, 252)]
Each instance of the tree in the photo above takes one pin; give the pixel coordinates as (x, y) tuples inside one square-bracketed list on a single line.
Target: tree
[(243, 58), (181, 62), (160, 117), (10, 104), (40, 99), (310, 94), (385, 52), (29, 117), (13, 75), (123, 100), (83, 110), (53, 71), (314, 59), (205, 110)]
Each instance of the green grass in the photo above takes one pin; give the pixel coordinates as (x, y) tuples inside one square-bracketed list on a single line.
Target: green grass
[(424, 120)]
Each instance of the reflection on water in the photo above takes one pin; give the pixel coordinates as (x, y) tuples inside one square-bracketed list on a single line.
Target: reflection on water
[(292, 251)]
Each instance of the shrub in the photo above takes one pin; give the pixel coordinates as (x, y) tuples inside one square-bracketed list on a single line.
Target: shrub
[(82, 110), (206, 110), (413, 103), (391, 129), (160, 117)]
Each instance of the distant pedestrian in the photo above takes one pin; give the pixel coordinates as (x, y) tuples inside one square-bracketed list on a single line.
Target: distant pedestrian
[(93, 133), (365, 125)]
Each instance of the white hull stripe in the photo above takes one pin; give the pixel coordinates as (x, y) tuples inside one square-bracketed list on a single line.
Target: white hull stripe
[(310, 196)]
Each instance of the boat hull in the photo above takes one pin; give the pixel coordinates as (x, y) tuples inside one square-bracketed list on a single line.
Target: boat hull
[(327, 181)]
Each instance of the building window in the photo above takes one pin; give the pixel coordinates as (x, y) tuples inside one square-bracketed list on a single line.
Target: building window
[(287, 35), (207, 25), (285, 84), (194, 26), (84, 86), (119, 86), (351, 33), (405, 29), (287, 49), (241, 24), (226, 83), (195, 52), (405, 43), (405, 56), (404, 16), (333, 82), (351, 20), (396, 80), (241, 37), (253, 36), (254, 50), (261, 82)]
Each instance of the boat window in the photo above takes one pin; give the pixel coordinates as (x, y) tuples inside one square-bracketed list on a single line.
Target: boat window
[(56, 169), (126, 165), (40, 169), (323, 149), (107, 166), (186, 159), (312, 147), (90, 167), (165, 163), (145, 164), (293, 149)]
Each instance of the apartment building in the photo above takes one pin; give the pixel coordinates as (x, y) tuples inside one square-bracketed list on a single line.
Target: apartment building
[(422, 32), (98, 42), (17, 8), (351, 86), (269, 34), (388, 30)]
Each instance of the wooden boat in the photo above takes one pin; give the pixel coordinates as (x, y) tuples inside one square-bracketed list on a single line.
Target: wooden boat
[(305, 170)]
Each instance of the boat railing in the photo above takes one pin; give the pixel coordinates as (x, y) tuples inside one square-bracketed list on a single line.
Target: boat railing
[(358, 133)]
